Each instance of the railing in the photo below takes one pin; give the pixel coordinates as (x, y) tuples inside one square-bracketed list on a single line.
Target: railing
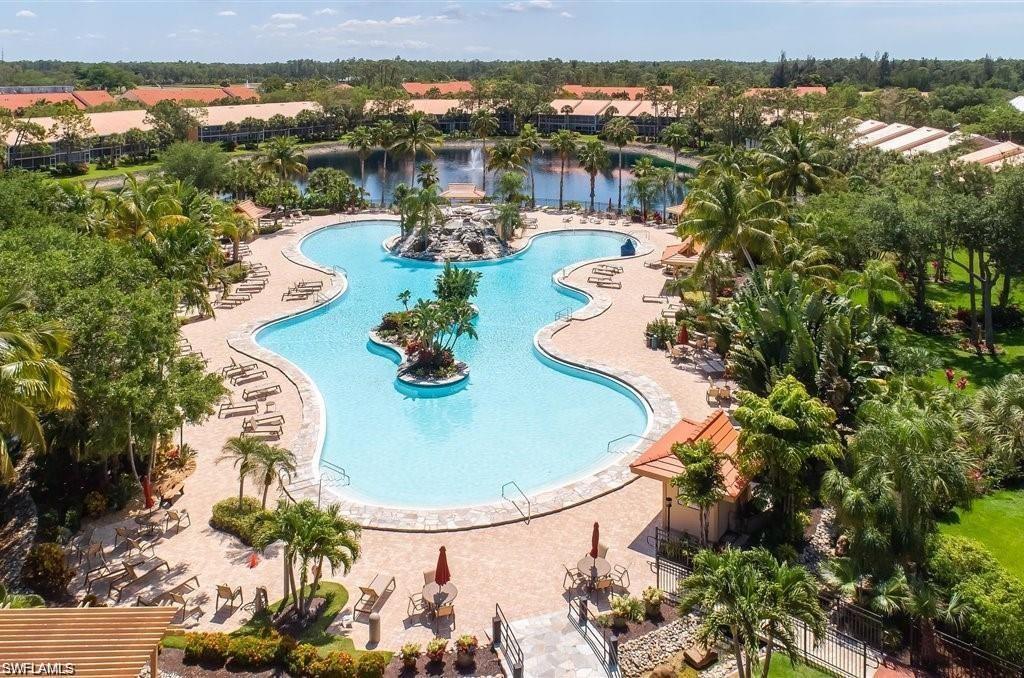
[(608, 447), (504, 639), (529, 507), (331, 473), (955, 658), (601, 639), (565, 314), (853, 620), (835, 651)]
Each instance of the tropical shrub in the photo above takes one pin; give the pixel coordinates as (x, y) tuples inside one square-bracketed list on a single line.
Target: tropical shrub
[(122, 491), (46, 570), (251, 652), (95, 504), (371, 665), (334, 665), (206, 647), (436, 649), (992, 597), (627, 609), (302, 659), (16, 601), (410, 653), (250, 522), (281, 195)]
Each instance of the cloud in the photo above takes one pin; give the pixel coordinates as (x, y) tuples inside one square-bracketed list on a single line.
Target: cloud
[(13, 33), (226, 12), (326, 11), (26, 14), (565, 15), (90, 36), (284, 16), (393, 22), (400, 44), (526, 5)]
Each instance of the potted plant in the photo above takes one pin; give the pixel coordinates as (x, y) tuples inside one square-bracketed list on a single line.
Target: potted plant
[(466, 648), (652, 597), (626, 609), (436, 649), (410, 653)]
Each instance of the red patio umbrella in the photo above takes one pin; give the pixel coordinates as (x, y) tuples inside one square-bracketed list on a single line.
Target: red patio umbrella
[(684, 335), (441, 573), (595, 539)]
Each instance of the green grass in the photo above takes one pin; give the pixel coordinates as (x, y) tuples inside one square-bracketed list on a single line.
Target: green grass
[(994, 521), (316, 634), (781, 667)]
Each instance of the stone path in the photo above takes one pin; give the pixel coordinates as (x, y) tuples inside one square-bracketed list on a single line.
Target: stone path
[(554, 648)]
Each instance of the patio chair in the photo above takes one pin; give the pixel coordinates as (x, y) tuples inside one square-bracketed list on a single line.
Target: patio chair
[(604, 583), (176, 517), (135, 569), (259, 602), (140, 545), (620, 576), (444, 611), (380, 585), (428, 576), (179, 601), (417, 605), (228, 594), (122, 533), (81, 543), (573, 578)]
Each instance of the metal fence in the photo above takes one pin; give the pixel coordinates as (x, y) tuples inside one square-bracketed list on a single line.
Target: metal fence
[(601, 639), (506, 642), (951, 657), (853, 620), (835, 651)]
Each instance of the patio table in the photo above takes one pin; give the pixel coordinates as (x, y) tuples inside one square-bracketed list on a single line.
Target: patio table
[(435, 595), (594, 568)]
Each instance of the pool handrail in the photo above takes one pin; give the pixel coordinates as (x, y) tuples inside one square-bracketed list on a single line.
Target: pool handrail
[(529, 507)]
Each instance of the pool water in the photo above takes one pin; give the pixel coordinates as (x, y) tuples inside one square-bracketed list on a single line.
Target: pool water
[(521, 416)]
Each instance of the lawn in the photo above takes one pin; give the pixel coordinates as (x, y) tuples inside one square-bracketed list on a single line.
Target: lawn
[(994, 521), (781, 667), (316, 634)]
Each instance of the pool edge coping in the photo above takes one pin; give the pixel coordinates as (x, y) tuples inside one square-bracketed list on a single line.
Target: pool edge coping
[(663, 413)]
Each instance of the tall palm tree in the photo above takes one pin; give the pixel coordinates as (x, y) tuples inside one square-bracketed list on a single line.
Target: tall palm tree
[(243, 452), (675, 137), (483, 124), (418, 136), (619, 132), (282, 157), (422, 211), (385, 134), (528, 144), (565, 143), (361, 139), (32, 381), (508, 219), (272, 463), (794, 162), (593, 158), (428, 174), (334, 539), (730, 212), (233, 225), (506, 156)]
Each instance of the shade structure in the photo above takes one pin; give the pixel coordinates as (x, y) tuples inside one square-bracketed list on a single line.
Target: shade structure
[(595, 540), (441, 573), (99, 641), (467, 192)]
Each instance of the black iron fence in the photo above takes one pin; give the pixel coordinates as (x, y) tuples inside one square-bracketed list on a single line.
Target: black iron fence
[(505, 641), (946, 656), (853, 620), (835, 651), (603, 640)]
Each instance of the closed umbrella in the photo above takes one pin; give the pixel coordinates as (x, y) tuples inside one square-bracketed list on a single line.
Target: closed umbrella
[(595, 539), (684, 335), (441, 574)]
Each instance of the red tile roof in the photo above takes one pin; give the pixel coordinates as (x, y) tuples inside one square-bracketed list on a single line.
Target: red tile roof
[(659, 463), (799, 91), (93, 97), (583, 91), (148, 96), (17, 102), (419, 89)]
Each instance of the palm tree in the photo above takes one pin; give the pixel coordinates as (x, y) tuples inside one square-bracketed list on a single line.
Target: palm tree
[(403, 298), (508, 219), (422, 211), (528, 144), (505, 156), (877, 278), (362, 140), (619, 132), (282, 157), (675, 137), (701, 483), (418, 136), (32, 381), (233, 225), (483, 124), (272, 463), (593, 158), (428, 175), (751, 595), (334, 539), (794, 162), (728, 213), (244, 453), (995, 420), (384, 134), (510, 188), (565, 143)]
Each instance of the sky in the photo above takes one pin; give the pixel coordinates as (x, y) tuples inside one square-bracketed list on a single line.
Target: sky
[(259, 31)]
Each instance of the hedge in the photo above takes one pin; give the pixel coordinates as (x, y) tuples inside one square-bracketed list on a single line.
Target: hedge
[(249, 523)]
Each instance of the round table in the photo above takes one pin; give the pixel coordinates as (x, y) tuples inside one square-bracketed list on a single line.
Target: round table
[(436, 595), (594, 568)]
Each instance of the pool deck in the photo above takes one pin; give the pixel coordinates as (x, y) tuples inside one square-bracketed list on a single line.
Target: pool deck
[(517, 565)]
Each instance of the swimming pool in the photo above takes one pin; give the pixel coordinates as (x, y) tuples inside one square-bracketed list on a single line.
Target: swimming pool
[(521, 416)]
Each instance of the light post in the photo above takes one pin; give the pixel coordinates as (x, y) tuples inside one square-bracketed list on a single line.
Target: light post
[(668, 514)]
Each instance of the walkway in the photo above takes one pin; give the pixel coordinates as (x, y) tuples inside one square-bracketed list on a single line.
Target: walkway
[(554, 648)]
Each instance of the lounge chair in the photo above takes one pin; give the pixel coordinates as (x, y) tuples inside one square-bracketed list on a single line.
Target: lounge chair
[(379, 586), (236, 368), (246, 377), (265, 420), (613, 284), (261, 392), (176, 517), (264, 432), (81, 543), (598, 278), (135, 569), (231, 409), (171, 494), (96, 564), (228, 594)]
